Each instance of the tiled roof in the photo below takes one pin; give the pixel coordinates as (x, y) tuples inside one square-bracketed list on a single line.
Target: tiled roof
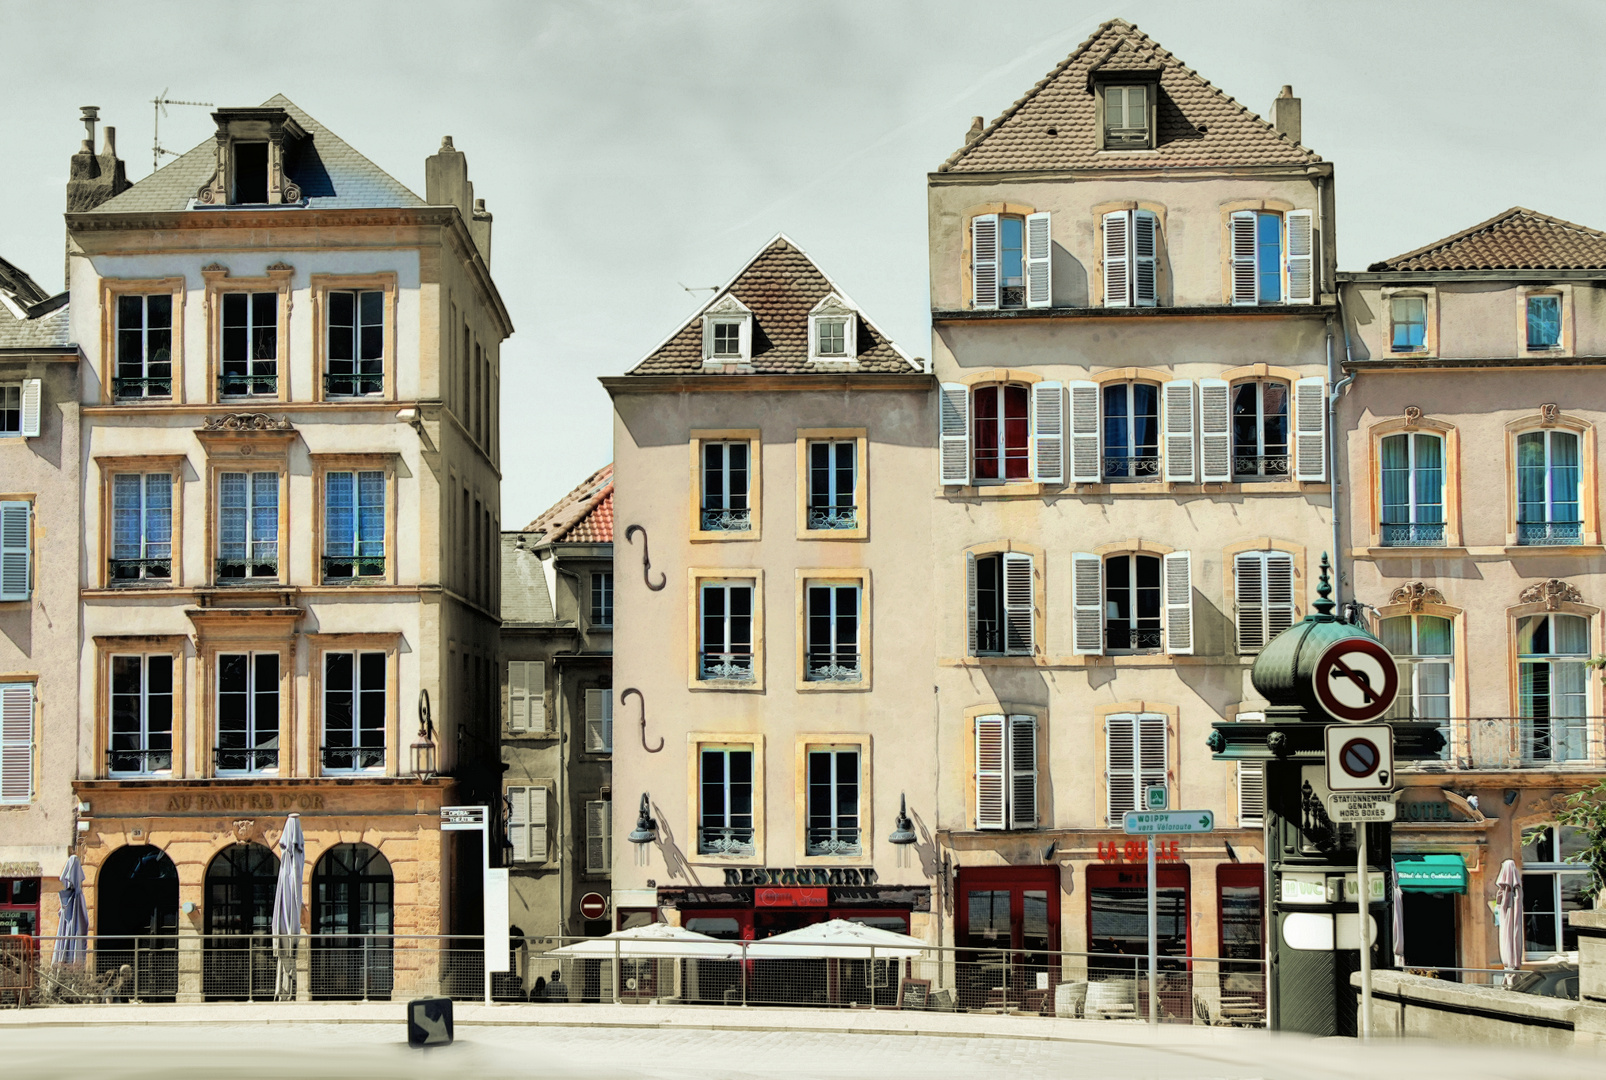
[(780, 286), (1055, 126), (329, 172), (1518, 239), (583, 516), (525, 598)]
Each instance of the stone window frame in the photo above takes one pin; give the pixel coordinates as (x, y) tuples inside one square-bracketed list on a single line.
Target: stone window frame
[(175, 645), (278, 278), (256, 634), (1565, 342), (110, 467), (110, 290), (802, 744), (320, 286), (841, 576), (967, 297), (695, 742), (861, 482), (1430, 330), (1411, 425), (1596, 619), (1041, 585), (695, 577), (1551, 417), (390, 644), (1045, 794), (755, 484), (246, 455), (1460, 692), (1173, 749), (322, 465), (1229, 582)]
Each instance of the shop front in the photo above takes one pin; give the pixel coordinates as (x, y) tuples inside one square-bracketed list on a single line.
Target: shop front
[(19, 906), (1431, 885)]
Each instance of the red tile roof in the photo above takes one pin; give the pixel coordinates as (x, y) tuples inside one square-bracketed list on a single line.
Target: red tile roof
[(583, 516), (1055, 126), (1518, 239)]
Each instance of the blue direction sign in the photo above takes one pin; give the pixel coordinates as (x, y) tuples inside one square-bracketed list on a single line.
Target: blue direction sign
[(1146, 823)]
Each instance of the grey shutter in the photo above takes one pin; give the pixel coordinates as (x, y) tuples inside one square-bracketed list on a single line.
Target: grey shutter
[(518, 822), (1244, 290), (32, 397), (1087, 604), (536, 674), (599, 836), (1019, 605), (1249, 588), (518, 696), (953, 407), (1039, 271), (1022, 772), (538, 825), (1215, 431), (1310, 428), (1117, 261), (599, 721), (1152, 759), (984, 261), (1251, 793), (990, 740), (1301, 243), (1279, 592), (1178, 603), (1085, 457), (1120, 766), (16, 550), (1176, 398), (1048, 433), (970, 603), (16, 742), (1145, 252)]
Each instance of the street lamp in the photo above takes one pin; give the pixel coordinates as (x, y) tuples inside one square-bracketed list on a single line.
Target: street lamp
[(903, 831), (423, 748), (645, 832)]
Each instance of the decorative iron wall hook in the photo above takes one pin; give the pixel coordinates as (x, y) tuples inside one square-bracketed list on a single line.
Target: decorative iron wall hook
[(646, 562), (625, 694)]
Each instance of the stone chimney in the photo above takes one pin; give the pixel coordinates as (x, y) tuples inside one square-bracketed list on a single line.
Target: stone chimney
[(975, 130), (446, 183), (1285, 113), (93, 178), (479, 227)]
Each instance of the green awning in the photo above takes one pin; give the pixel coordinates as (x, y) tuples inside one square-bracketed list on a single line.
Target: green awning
[(1431, 873)]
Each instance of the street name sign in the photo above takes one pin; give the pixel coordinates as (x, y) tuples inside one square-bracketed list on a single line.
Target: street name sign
[(1360, 758), (1355, 680), (1370, 806), (1143, 823)]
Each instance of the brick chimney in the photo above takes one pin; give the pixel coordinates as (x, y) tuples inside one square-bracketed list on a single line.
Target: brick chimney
[(1285, 114), (446, 183)]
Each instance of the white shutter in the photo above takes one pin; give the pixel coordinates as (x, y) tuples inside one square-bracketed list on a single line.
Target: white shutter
[(1145, 249), (1039, 272), (970, 603), (538, 825), (1048, 433), (518, 696), (1215, 431), (16, 554), (1178, 602), (16, 742), (1244, 289), (535, 674), (32, 395), (1019, 603), (1120, 766), (1086, 461), (1249, 572), (518, 822), (984, 261), (953, 407), (599, 721), (1279, 593), (990, 772), (1310, 428), (1251, 793), (1117, 242), (599, 836), (1176, 399), (1301, 257), (1023, 772), (1087, 604), (1152, 760)]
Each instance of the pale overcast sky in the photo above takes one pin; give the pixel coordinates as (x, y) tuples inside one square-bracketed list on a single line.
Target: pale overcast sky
[(629, 148)]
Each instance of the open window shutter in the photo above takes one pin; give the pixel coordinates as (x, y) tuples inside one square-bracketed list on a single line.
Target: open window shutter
[(1087, 604), (16, 742), (596, 706), (607, 720), (1117, 242), (16, 564), (538, 824), (1310, 428), (1215, 432), (1179, 603), (598, 839), (953, 406), (518, 822), (1279, 593), (1243, 258), (518, 696), (1039, 280), (970, 603), (1048, 433), (1120, 765), (1251, 793), (1248, 572), (989, 772), (1145, 245), (984, 261), (535, 674), (1301, 257), (32, 395), (1022, 772), (1176, 398), (1152, 758), (1085, 459), (1019, 639)]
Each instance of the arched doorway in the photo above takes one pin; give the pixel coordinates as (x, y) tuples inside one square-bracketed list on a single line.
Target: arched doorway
[(136, 901), (352, 921), (238, 958)]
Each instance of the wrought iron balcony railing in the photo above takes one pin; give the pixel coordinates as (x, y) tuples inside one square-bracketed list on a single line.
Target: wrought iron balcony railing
[(353, 385), (1258, 466), (827, 665), (1550, 532), (1417, 534), (824, 840), (247, 760), (139, 571), (833, 517), (344, 569), (725, 840), (1124, 638), (717, 519), (139, 762), (1140, 466), (732, 666), (1531, 742), (352, 758), (236, 571), (246, 385), (152, 386)]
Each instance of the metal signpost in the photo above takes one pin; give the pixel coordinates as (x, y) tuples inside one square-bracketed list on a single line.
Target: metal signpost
[(1151, 823), (1360, 775), (472, 819)]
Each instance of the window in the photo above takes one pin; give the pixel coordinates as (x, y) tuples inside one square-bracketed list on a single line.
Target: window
[(1131, 431), (1408, 320), (1011, 264), (1423, 648), (142, 528), (354, 711), (599, 836), (725, 812), (726, 616), (144, 347), (141, 737), (250, 172), (1412, 478), (727, 332), (725, 483), (1126, 118), (1264, 583), (833, 337), (1008, 432), (1251, 793), (526, 696), (1002, 604), (1273, 257), (250, 343), (16, 550), (1130, 258), (602, 599), (833, 802), (1552, 887), (1259, 430), (248, 525), (1135, 759), (247, 712), (16, 742), (833, 485), (1544, 321), (527, 823), (1553, 688), (1002, 435), (832, 629), (599, 721), (19, 408), (1006, 772), (353, 525), (1547, 488), (356, 359), (1132, 603), (727, 339)]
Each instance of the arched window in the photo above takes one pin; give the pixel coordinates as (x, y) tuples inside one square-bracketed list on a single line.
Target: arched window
[(1411, 477), (1547, 488), (1260, 430), (1552, 887), (1001, 433), (1132, 604), (1131, 431), (1553, 688), (136, 894), (238, 959), (352, 919), (1423, 647)]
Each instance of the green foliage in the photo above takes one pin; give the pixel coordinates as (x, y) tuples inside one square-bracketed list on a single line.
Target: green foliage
[(1586, 811)]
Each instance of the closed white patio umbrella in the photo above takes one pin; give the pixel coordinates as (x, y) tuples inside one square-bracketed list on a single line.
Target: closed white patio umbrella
[(838, 939), (653, 941), (1508, 901), (286, 921), (71, 935)]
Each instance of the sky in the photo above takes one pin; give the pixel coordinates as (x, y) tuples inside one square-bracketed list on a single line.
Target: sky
[(634, 152)]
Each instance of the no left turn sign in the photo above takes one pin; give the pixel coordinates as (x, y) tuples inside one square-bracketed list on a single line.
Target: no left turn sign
[(1355, 680)]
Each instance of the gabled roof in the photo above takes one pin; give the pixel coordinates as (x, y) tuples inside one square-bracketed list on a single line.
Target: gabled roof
[(1055, 126), (525, 598), (583, 516), (329, 172), (780, 286), (29, 317), (1519, 239)]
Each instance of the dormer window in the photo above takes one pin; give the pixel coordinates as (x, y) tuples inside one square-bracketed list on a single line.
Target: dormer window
[(833, 330), (728, 333), (250, 173), (255, 148), (1127, 117)]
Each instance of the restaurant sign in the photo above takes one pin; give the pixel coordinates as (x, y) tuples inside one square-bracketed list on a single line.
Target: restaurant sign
[(806, 875)]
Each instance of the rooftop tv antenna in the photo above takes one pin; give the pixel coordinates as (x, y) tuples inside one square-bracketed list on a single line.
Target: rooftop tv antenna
[(159, 106)]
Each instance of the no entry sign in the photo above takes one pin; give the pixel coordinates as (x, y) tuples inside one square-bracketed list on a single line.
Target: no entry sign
[(1355, 680), (593, 905)]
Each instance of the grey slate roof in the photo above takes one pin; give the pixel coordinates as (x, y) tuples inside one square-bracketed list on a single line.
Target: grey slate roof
[(329, 172), (525, 599), (43, 322)]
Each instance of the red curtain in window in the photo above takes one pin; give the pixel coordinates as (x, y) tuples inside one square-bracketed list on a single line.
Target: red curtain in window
[(1002, 441)]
